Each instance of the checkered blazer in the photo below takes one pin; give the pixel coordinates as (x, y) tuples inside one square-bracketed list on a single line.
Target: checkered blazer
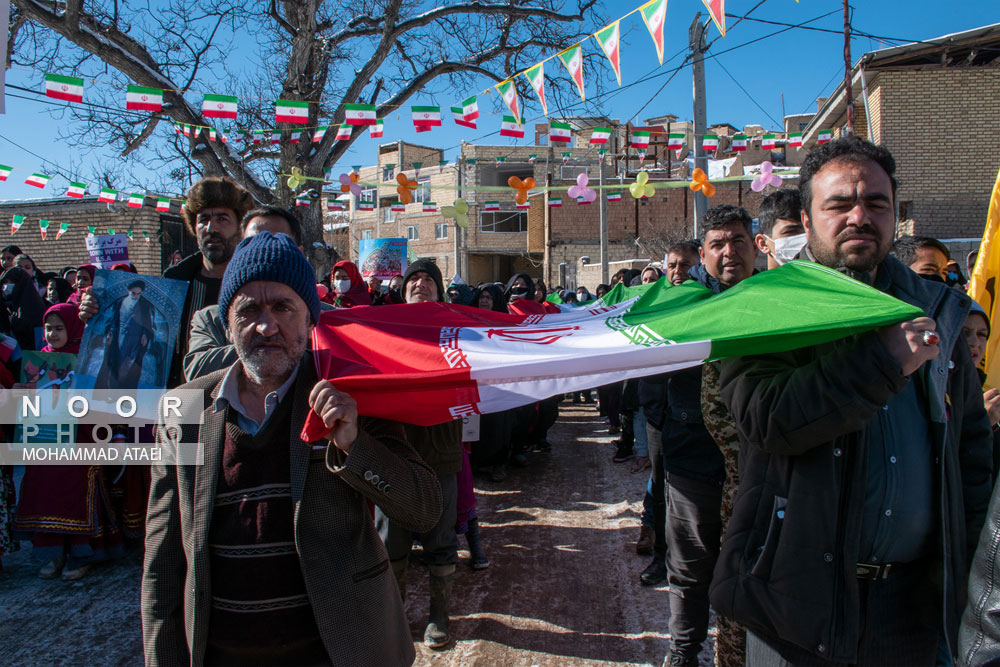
[(346, 570)]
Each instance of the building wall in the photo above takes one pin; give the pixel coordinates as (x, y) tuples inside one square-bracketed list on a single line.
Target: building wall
[(939, 125), (51, 255)]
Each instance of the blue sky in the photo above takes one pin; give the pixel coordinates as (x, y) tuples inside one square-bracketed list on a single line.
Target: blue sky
[(782, 72)]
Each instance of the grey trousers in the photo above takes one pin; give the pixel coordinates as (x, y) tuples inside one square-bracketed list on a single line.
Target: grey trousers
[(440, 542)]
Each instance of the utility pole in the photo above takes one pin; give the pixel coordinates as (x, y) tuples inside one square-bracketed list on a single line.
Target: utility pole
[(696, 35), (847, 68), (458, 230), (604, 225)]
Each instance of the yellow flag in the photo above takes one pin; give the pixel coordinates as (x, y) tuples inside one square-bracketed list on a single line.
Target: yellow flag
[(983, 285)]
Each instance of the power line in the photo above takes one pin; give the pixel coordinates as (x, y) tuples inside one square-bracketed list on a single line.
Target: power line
[(749, 96)]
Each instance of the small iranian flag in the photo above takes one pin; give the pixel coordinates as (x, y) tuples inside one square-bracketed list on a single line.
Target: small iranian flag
[(43, 226), (275, 138), (614, 196), (459, 115), (334, 205), (654, 15), (359, 114), (572, 58), (581, 201), (600, 135), (291, 111), (566, 157), (108, 196), (560, 132), (532, 158), (258, 137), (76, 190), (526, 204), (824, 136), (675, 141), (555, 202), (294, 139), (398, 206), (470, 108), (508, 91), (375, 131), (319, 134), (187, 130), (219, 106), (491, 206), (710, 142), (536, 77), (136, 200), (640, 139), (38, 180), (143, 99), (68, 88), (145, 235), (739, 142), (5, 172), (510, 128), (365, 205), (91, 230), (15, 223), (343, 132), (63, 228), (430, 207), (302, 200), (795, 139), (212, 136), (608, 38), (162, 204), (426, 116), (767, 142)]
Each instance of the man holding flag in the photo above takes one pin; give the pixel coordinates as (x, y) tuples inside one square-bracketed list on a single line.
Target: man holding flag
[(865, 461)]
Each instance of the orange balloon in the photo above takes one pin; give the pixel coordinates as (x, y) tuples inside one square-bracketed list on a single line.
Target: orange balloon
[(708, 190), (522, 188)]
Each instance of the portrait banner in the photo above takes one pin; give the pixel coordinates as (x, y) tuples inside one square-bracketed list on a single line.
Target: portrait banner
[(129, 343), (382, 258)]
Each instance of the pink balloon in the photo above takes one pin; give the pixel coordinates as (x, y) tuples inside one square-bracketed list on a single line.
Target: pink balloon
[(582, 180)]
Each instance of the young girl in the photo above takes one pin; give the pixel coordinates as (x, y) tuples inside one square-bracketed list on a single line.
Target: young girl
[(65, 510)]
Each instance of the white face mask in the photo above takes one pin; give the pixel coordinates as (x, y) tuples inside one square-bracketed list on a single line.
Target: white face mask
[(342, 286), (8, 289), (787, 247)]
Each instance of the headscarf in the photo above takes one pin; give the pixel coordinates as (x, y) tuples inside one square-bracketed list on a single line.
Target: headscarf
[(465, 294), (499, 302), (358, 295), (63, 289), (24, 307), (527, 279), (70, 316), (91, 271)]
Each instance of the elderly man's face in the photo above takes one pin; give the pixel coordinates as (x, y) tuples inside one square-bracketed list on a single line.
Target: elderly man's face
[(218, 233), (269, 326), (421, 287), (135, 293), (851, 220), (678, 265), (728, 253)]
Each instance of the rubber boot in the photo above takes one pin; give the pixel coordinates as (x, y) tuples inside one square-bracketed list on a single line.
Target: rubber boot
[(399, 571), (479, 559), (436, 634)]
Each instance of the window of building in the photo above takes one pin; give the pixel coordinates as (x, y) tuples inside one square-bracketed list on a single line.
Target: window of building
[(388, 173), (413, 233), (423, 191), (367, 194), (511, 222), (366, 234), (441, 230), (388, 215), (570, 172), (803, 126)]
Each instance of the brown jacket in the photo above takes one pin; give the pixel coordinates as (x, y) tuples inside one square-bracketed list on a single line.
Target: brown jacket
[(344, 564)]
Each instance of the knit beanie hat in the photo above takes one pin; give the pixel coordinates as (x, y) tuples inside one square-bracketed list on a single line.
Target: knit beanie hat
[(273, 258), (431, 269)]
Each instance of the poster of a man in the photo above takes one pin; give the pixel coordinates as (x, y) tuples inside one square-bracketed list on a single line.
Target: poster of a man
[(127, 336), (128, 343)]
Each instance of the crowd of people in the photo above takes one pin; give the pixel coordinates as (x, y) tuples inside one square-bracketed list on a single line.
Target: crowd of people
[(825, 501)]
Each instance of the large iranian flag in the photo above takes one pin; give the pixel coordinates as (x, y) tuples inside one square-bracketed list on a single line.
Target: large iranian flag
[(654, 15), (68, 88), (219, 106), (359, 114), (291, 111), (143, 99), (432, 362), (608, 37), (536, 77)]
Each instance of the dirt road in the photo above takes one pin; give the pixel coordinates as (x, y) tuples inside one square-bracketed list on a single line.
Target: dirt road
[(563, 587)]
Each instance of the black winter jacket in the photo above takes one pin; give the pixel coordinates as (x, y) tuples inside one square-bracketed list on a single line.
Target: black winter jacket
[(803, 419)]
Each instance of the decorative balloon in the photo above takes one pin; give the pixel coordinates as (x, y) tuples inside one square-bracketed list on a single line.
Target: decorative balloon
[(296, 179), (699, 181), (406, 188), (581, 190), (459, 210), (521, 187), (641, 188), (766, 178), (349, 183)]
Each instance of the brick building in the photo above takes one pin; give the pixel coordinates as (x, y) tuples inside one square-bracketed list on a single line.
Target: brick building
[(936, 106), (51, 255)]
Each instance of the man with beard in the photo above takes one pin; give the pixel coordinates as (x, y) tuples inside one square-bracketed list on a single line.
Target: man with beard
[(127, 338), (865, 462), (267, 553), (213, 211)]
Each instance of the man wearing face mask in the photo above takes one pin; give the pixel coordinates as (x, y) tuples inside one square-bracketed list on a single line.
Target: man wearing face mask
[(926, 257), (781, 236)]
